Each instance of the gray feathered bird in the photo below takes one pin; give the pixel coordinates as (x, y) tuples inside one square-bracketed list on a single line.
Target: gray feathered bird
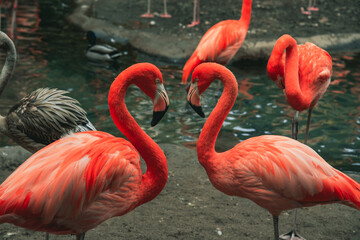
[(41, 117)]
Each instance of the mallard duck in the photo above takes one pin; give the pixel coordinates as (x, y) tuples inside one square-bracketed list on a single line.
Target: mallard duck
[(100, 52)]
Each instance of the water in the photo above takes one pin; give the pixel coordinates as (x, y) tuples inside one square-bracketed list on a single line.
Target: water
[(51, 54)]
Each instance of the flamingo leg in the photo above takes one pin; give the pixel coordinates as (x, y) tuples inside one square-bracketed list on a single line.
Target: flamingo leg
[(276, 227), (308, 126), (312, 6), (294, 134), (165, 14), (80, 236), (295, 126), (196, 14), (292, 235), (148, 14), (94, 7), (308, 12)]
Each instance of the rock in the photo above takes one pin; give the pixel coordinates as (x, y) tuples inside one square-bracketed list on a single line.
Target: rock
[(12, 156)]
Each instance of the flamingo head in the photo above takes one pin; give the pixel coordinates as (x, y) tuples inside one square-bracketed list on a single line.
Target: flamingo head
[(194, 98), (203, 75), (161, 103), (150, 81), (276, 72)]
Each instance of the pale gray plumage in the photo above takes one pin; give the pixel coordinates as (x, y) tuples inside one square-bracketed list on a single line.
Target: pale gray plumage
[(41, 117)]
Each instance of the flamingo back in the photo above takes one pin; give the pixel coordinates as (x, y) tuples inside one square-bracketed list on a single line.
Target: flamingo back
[(281, 174), (219, 44), (73, 184), (315, 69)]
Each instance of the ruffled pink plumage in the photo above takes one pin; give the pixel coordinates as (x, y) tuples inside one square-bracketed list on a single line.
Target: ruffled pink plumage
[(282, 174), (77, 184)]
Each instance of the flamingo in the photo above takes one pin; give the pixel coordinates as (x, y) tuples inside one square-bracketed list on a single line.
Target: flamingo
[(221, 42), (276, 172), (196, 15), (148, 13), (41, 117), (309, 71), (303, 73), (83, 179)]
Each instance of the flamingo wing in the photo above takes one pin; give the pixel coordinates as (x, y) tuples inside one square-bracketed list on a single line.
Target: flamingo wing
[(73, 184), (221, 42), (285, 173), (315, 69)]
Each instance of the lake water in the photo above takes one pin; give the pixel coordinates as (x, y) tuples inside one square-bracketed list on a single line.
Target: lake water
[(51, 54)]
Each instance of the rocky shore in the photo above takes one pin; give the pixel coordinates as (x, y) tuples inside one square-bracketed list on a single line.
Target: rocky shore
[(330, 28)]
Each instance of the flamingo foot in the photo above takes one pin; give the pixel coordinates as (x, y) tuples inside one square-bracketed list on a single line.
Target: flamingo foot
[(193, 23), (305, 12), (165, 15), (147, 15), (315, 9), (292, 235)]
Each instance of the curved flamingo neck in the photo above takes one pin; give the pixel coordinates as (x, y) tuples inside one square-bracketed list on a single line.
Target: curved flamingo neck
[(9, 65), (154, 180), (211, 129), (246, 13), (294, 94), (275, 67)]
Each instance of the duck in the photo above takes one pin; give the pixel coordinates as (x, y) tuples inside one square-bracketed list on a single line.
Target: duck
[(100, 52)]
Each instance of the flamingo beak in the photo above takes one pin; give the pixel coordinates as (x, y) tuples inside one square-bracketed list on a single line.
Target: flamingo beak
[(161, 104), (188, 87), (194, 99)]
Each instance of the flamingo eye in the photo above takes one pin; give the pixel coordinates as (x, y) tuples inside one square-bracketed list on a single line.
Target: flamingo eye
[(157, 81)]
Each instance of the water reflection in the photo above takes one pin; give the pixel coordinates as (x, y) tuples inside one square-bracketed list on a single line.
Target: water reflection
[(52, 54)]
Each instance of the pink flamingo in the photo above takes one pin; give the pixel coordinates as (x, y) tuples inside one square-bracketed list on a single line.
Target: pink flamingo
[(83, 179), (148, 13), (275, 172), (196, 15), (307, 76), (221, 42)]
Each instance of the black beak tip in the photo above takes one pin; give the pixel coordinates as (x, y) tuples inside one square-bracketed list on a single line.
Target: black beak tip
[(157, 116), (188, 87), (198, 110)]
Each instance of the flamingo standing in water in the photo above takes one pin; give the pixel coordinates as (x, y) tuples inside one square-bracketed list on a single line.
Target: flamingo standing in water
[(221, 42), (148, 13), (83, 179), (308, 70), (277, 173), (43, 116), (303, 72)]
